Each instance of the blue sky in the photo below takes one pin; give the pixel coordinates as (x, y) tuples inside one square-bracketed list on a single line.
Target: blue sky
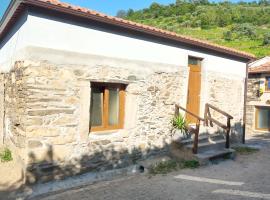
[(106, 6)]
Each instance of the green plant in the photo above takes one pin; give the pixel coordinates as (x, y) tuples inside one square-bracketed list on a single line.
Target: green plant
[(180, 123), (163, 167), (172, 165), (191, 164), (245, 150), (6, 155), (266, 39)]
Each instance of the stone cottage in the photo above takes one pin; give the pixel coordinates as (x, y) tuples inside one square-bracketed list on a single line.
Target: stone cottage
[(81, 90), (258, 97)]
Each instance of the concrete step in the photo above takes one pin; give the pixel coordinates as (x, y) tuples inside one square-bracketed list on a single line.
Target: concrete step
[(209, 145), (202, 139), (214, 155)]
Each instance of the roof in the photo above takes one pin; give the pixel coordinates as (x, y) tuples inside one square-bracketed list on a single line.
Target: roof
[(17, 5), (264, 68)]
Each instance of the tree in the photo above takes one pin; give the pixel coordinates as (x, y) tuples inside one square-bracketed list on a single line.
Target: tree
[(121, 14)]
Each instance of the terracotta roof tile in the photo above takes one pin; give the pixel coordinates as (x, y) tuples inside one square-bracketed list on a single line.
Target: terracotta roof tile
[(260, 69), (153, 30)]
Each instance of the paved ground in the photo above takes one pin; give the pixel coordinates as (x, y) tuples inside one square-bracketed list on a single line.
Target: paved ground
[(248, 177)]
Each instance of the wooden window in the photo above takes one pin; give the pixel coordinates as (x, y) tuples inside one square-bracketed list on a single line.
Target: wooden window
[(107, 106), (267, 83), (262, 118)]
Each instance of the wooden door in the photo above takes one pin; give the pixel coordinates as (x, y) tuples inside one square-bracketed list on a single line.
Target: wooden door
[(194, 89)]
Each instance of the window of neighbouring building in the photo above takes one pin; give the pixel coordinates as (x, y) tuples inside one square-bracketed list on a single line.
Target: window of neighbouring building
[(107, 106), (262, 121), (267, 83)]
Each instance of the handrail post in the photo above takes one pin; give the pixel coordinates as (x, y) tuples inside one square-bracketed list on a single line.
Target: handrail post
[(176, 112), (196, 138), (205, 123), (228, 133)]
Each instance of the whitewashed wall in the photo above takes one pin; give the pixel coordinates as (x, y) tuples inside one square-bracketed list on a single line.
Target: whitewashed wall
[(47, 33)]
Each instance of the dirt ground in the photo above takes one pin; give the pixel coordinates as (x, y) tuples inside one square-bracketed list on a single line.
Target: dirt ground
[(247, 177)]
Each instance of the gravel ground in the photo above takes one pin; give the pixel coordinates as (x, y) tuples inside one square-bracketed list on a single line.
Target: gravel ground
[(252, 171)]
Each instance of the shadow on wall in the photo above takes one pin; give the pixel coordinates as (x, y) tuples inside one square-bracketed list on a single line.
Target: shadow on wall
[(104, 159), (107, 158)]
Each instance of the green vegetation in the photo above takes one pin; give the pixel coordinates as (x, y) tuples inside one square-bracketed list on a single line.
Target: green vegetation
[(179, 122), (172, 165), (245, 26), (245, 150), (6, 155)]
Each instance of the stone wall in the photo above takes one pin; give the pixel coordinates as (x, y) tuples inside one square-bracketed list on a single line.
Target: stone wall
[(227, 93), (253, 87), (47, 112), (48, 116), (255, 83)]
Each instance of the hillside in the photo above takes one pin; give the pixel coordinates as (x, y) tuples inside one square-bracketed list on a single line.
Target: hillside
[(244, 26)]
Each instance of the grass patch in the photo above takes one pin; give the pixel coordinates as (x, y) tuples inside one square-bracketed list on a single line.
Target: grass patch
[(173, 165), (245, 150), (6, 155), (191, 164)]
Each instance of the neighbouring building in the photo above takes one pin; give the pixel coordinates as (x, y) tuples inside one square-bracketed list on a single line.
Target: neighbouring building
[(258, 97), (81, 90)]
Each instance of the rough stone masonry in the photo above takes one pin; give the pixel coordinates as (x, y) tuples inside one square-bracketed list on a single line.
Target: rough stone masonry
[(47, 111), (47, 117)]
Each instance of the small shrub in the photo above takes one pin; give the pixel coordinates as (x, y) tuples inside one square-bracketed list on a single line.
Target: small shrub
[(227, 35), (191, 164), (6, 155), (180, 123), (245, 150), (172, 165), (164, 167), (266, 39)]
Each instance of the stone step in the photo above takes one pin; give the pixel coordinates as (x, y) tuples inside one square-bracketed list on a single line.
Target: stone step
[(213, 155), (209, 145), (202, 139)]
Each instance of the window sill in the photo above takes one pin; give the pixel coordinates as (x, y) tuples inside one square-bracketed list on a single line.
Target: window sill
[(105, 132)]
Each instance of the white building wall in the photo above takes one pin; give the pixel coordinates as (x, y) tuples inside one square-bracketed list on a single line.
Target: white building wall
[(15, 42), (47, 33)]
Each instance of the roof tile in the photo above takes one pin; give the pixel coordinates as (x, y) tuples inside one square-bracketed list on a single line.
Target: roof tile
[(260, 69)]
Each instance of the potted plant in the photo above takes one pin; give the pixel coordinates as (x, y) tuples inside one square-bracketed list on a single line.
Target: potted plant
[(180, 127)]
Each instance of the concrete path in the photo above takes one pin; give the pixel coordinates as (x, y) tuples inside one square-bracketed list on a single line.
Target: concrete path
[(248, 177)]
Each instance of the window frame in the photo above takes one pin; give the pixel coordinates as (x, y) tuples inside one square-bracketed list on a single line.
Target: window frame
[(266, 84), (105, 106), (257, 108)]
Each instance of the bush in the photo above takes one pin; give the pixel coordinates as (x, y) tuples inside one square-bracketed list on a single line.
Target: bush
[(227, 35), (244, 30), (6, 155), (266, 39)]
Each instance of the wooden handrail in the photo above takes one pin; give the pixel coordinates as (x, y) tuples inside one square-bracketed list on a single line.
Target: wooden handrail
[(218, 110), (208, 117), (196, 130), (217, 122), (192, 114)]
